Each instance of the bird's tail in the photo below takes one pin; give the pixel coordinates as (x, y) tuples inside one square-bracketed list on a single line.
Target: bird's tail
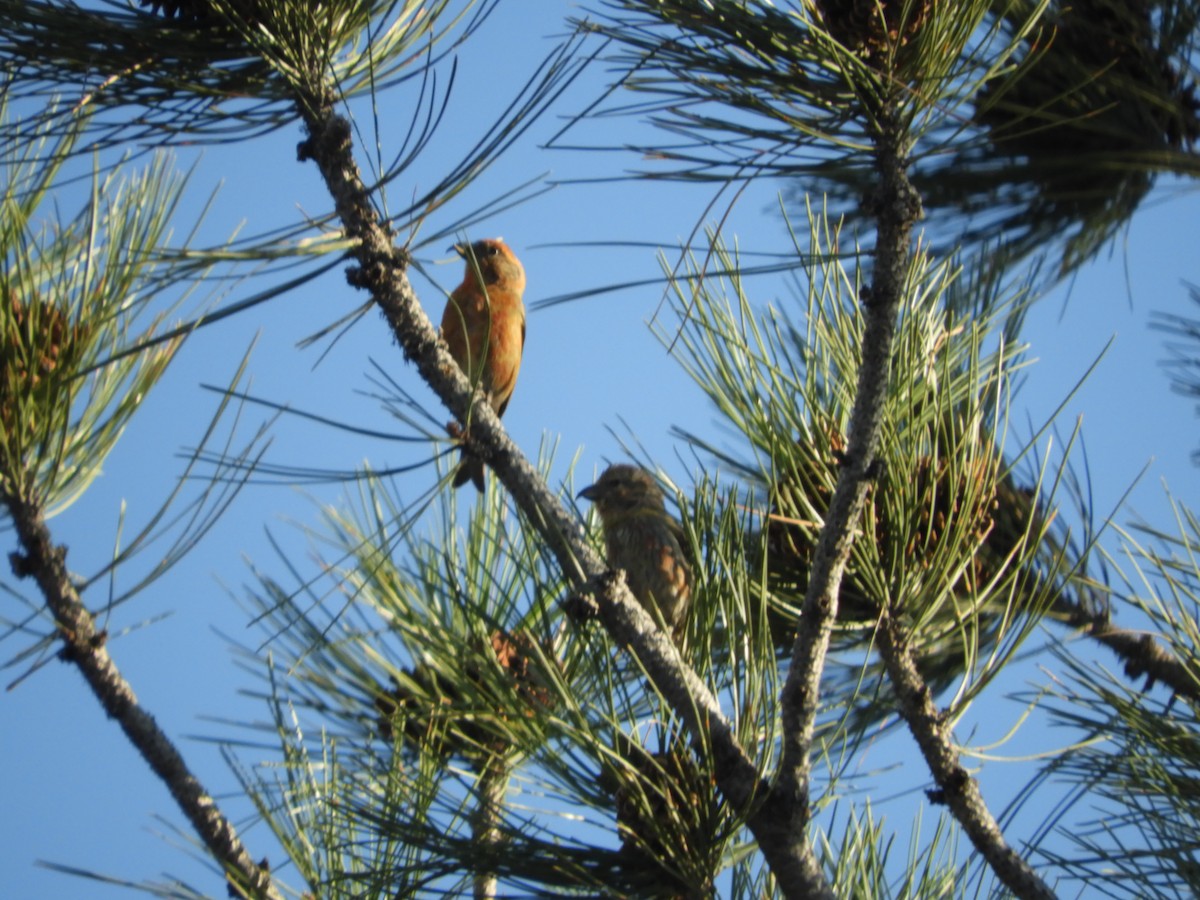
[(469, 469)]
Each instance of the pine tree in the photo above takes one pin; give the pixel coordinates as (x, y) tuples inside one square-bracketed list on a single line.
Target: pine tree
[(463, 696)]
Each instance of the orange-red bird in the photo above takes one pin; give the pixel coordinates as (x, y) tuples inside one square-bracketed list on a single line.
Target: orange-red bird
[(484, 324)]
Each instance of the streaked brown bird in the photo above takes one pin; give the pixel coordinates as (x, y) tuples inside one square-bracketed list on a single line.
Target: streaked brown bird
[(484, 324), (642, 538)]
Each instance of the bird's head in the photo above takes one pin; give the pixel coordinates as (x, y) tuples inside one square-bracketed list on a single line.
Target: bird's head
[(623, 489), (494, 262)]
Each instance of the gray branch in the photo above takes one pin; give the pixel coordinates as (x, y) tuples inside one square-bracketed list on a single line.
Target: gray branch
[(487, 819), (898, 207), (1140, 652), (84, 647), (382, 271), (956, 788)]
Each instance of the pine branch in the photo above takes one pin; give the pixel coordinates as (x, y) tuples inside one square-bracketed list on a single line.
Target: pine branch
[(487, 822), (956, 788), (382, 271), (85, 648), (897, 209), (1140, 653)]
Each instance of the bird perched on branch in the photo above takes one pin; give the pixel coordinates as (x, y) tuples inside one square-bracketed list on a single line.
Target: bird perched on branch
[(642, 538), (484, 324)]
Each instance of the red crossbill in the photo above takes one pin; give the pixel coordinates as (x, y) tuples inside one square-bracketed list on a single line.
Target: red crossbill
[(484, 324), (642, 538)]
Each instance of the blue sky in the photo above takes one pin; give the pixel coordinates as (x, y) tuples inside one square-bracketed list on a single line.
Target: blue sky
[(76, 794)]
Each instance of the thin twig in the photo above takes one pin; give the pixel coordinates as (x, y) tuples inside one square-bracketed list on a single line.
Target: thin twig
[(1139, 651), (956, 788)]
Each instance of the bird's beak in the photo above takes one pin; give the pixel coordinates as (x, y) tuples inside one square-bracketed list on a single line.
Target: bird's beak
[(591, 492), (460, 249)]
